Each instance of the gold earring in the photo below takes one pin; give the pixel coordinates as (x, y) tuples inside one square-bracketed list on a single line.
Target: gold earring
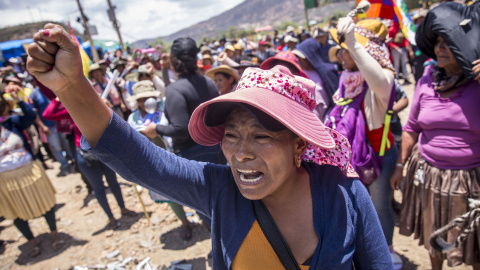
[(298, 162)]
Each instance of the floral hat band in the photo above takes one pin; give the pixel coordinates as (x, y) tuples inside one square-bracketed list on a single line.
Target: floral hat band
[(287, 86)]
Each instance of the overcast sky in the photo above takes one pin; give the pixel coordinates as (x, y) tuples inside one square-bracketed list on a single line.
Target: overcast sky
[(138, 19)]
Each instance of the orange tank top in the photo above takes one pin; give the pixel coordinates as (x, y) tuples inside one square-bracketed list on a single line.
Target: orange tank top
[(257, 253)]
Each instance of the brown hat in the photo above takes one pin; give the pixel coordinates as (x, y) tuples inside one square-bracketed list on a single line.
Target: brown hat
[(144, 89)]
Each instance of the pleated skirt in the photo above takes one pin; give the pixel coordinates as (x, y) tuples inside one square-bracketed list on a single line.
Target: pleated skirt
[(430, 205), (26, 192)]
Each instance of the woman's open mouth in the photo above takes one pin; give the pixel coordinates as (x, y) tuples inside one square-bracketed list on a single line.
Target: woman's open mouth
[(249, 177)]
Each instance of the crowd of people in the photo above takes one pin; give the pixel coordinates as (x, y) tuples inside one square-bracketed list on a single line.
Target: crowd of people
[(293, 138)]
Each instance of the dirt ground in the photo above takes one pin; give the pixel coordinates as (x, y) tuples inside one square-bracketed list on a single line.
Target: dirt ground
[(82, 224)]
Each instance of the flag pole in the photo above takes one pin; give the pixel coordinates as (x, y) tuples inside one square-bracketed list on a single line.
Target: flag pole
[(306, 16)]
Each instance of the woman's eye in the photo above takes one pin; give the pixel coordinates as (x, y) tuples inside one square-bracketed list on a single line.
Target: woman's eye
[(262, 137), (230, 135)]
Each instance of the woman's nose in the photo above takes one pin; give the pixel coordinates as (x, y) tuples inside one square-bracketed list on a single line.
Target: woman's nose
[(244, 151)]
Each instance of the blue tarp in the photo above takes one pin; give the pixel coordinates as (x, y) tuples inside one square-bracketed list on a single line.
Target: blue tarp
[(86, 48), (13, 48)]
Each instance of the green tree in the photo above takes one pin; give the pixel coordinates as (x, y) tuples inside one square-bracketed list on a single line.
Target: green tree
[(232, 32), (166, 45)]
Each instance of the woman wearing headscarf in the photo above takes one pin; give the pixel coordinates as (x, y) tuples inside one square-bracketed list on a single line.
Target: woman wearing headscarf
[(26, 191), (369, 72), (441, 139), (283, 162), (323, 74)]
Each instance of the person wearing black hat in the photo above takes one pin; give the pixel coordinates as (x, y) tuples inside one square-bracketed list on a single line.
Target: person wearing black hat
[(248, 60), (182, 97), (222, 42), (441, 139)]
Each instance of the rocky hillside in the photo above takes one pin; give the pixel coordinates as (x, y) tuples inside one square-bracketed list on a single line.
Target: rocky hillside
[(26, 31), (255, 13)]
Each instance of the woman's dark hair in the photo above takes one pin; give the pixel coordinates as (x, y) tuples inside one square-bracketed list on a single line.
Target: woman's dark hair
[(227, 76), (183, 66)]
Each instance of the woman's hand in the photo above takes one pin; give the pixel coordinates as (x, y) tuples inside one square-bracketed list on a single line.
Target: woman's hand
[(476, 69), (150, 131), (346, 28), (54, 59), (222, 57), (396, 178), (45, 130), (150, 68), (13, 90)]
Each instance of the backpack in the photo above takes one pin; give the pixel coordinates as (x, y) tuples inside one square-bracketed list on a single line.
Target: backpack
[(347, 118)]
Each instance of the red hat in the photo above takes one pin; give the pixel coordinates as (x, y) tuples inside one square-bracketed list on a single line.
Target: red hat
[(287, 56), (264, 43)]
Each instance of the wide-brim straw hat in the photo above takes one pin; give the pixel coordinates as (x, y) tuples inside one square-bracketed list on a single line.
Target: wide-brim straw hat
[(208, 56), (222, 68), (370, 32), (332, 53), (93, 67), (374, 26), (281, 96)]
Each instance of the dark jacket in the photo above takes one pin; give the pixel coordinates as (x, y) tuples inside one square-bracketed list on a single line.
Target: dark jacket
[(17, 123)]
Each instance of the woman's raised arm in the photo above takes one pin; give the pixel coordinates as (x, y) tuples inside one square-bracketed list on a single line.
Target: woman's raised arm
[(54, 59)]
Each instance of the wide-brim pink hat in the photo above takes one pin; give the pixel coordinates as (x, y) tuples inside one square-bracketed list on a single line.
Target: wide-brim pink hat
[(286, 98), (292, 114)]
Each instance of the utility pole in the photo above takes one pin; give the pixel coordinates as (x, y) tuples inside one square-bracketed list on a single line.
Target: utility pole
[(113, 19), (306, 18), (87, 31)]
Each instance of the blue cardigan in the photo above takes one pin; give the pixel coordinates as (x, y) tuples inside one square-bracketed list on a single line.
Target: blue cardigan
[(344, 217), (17, 123)]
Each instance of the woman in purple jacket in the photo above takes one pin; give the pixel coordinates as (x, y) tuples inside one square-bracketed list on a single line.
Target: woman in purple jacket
[(441, 139)]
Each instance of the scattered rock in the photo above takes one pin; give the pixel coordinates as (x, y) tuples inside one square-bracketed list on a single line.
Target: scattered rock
[(142, 264), (78, 189), (147, 202), (98, 266), (109, 233), (146, 244), (156, 220), (112, 254)]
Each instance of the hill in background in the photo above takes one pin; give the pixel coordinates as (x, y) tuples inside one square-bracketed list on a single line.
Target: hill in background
[(256, 13), (27, 31), (247, 15)]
